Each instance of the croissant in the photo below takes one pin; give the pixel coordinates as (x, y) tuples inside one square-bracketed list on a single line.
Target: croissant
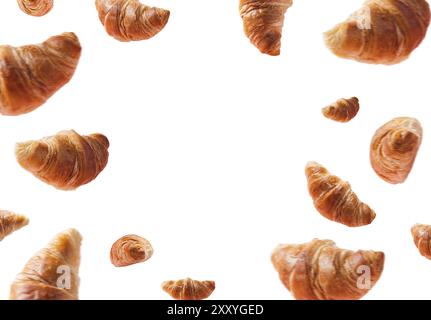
[(381, 32), (11, 222), (51, 274), (188, 289), (334, 198), (263, 23), (129, 20), (319, 270), (66, 160), (343, 110), (129, 250), (31, 74), (422, 237), (36, 8), (394, 148)]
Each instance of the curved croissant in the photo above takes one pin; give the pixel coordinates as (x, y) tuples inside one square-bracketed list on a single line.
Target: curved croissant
[(129, 20), (31, 74), (343, 110), (422, 237), (129, 250), (319, 270), (263, 23), (188, 289), (334, 198), (394, 148), (51, 274), (382, 32), (36, 8), (10, 222), (66, 160)]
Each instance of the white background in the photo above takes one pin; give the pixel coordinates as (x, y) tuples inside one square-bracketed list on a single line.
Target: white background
[(209, 140)]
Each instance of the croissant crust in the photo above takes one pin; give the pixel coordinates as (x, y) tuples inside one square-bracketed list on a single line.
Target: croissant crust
[(422, 237), (263, 23), (381, 32), (51, 274), (11, 222), (66, 160), (188, 289), (319, 270), (129, 20), (394, 148), (129, 250), (36, 8), (334, 198), (343, 110)]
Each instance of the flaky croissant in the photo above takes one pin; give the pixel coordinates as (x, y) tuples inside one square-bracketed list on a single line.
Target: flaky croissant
[(36, 8), (381, 32), (31, 74), (422, 237), (318, 270), (334, 198), (130, 249), (129, 20), (343, 110), (66, 160), (51, 274), (188, 289), (263, 23), (394, 148), (10, 222)]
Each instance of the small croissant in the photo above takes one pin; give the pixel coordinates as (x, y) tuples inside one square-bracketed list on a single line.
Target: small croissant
[(30, 75), (129, 20), (394, 148), (343, 110), (188, 289), (319, 270), (51, 274), (36, 8), (263, 23), (130, 249), (66, 160), (422, 237), (334, 198), (381, 32), (10, 222)]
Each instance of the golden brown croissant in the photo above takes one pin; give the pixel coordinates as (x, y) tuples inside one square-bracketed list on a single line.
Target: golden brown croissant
[(334, 198), (394, 148), (31, 74), (263, 23), (382, 32), (188, 289), (319, 270), (36, 8), (130, 249), (422, 237), (129, 20), (66, 160), (51, 274), (11, 222), (343, 110)]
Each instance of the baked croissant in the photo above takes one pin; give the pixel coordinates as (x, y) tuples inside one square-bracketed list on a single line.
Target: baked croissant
[(188, 289), (263, 23), (66, 160), (381, 32), (343, 110), (51, 274), (11, 222), (129, 250), (334, 198), (422, 237), (319, 270), (36, 8), (394, 148), (129, 20), (31, 74)]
